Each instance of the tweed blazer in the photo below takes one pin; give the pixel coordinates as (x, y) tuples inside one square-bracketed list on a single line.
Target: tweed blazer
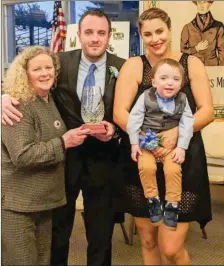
[(33, 159)]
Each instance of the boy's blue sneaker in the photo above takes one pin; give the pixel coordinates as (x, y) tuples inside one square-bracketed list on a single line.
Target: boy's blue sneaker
[(155, 211), (170, 217)]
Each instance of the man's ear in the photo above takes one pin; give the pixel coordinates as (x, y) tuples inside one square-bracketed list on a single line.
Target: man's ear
[(78, 34)]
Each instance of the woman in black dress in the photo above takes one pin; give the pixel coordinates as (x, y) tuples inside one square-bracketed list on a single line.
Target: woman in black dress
[(134, 78)]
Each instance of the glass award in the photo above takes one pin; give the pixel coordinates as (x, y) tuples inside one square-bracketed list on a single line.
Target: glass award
[(92, 110)]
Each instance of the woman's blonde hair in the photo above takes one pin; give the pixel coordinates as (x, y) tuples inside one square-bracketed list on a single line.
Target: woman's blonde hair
[(154, 13), (16, 82)]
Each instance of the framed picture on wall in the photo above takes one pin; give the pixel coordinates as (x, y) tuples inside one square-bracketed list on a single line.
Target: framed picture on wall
[(197, 29)]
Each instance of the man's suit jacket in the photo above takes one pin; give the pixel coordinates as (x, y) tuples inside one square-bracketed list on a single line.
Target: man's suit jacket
[(94, 160), (212, 31)]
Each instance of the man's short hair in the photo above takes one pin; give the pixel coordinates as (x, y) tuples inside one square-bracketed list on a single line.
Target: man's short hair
[(98, 13), (195, 2)]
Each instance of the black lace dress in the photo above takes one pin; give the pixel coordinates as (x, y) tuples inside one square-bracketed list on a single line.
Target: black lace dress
[(195, 202)]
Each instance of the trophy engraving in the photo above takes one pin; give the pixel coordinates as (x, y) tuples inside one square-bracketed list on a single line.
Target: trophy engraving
[(92, 109)]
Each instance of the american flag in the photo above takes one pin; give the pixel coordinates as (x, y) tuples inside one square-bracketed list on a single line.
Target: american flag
[(58, 29)]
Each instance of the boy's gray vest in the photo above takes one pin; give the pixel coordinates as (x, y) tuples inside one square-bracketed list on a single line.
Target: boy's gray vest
[(155, 119)]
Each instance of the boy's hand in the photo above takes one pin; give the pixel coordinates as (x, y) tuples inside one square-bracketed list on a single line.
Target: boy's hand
[(178, 155), (135, 151)]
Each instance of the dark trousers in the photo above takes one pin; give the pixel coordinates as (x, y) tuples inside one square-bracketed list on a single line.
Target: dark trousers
[(99, 224)]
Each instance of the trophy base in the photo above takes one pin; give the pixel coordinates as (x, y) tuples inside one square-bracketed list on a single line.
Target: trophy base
[(95, 128)]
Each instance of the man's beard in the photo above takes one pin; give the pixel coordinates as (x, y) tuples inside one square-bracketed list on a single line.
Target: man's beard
[(96, 55)]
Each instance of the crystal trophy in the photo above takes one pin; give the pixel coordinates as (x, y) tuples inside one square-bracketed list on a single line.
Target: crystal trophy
[(92, 110)]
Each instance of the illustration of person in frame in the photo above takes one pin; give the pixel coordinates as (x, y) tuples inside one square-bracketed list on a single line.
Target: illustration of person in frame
[(203, 37), (72, 41)]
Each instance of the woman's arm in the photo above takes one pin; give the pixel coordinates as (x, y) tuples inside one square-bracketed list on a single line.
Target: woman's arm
[(202, 95), (126, 89), (201, 91), (135, 120)]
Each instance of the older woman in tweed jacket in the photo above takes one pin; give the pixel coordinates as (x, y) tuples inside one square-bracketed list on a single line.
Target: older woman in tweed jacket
[(33, 153)]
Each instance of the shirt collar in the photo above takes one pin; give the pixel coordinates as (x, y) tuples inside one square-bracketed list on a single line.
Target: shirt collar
[(99, 64), (163, 99)]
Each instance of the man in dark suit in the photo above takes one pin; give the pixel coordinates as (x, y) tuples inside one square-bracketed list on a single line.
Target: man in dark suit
[(91, 167)]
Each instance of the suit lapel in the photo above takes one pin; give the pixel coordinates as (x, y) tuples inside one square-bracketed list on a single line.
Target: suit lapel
[(73, 69), (109, 63), (109, 84)]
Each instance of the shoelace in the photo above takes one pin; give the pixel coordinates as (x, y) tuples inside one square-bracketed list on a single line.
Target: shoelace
[(172, 209), (171, 215), (154, 207)]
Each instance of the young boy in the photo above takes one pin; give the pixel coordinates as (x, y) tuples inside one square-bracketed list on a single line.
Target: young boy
[(160, 108)]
